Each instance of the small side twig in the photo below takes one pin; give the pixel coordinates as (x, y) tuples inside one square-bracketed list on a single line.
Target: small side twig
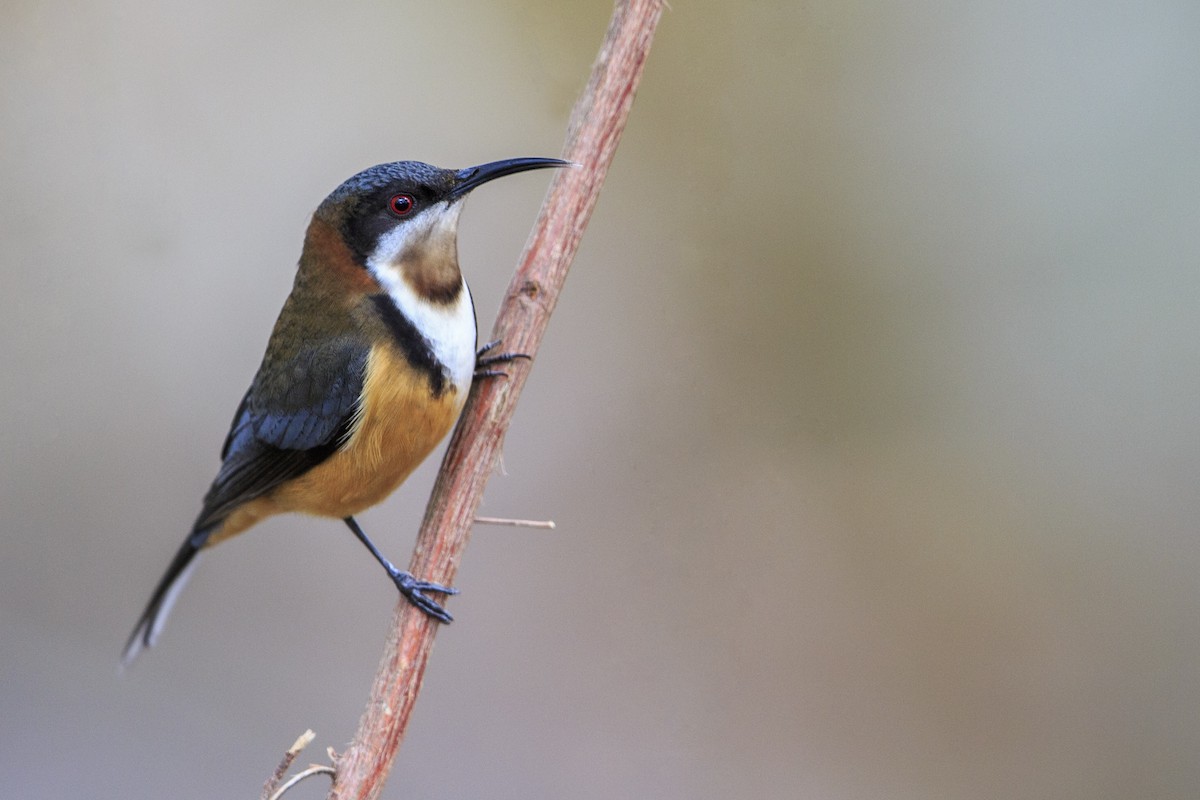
[(315, 769), (546, 524), (285, 763)]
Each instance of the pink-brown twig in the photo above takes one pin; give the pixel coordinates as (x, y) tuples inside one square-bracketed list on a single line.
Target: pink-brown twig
[(595, 129)]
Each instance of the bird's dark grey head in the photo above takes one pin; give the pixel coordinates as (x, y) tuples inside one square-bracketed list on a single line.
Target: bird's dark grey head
[(377, 200), (408, 175)]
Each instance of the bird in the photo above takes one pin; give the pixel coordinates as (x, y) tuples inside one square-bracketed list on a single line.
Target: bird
[(366, 370)]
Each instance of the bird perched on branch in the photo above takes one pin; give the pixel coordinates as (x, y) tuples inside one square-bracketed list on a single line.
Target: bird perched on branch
[(367, 369)]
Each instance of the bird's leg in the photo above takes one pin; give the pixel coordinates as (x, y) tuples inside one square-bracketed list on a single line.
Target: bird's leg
[(406, 582), (484, 362)]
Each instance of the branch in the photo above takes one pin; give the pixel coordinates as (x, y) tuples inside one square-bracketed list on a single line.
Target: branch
[(543, 524), (595, 129), (275, 785)]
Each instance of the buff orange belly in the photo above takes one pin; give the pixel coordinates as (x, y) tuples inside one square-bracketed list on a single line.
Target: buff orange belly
[(399, 423)]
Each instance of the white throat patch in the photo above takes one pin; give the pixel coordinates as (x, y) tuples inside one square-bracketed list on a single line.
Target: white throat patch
[(449, 328)]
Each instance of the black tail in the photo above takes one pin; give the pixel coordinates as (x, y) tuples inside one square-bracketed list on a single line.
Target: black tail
[(151, 623)]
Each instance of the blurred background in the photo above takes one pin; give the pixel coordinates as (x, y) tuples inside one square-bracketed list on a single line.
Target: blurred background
[(867, 418)]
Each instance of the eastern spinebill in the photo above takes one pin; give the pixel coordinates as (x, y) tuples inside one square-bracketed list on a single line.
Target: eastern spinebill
[(366, 370)]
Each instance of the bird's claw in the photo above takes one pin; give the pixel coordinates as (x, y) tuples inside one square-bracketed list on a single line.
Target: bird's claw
[(483, 361), (415, 589)]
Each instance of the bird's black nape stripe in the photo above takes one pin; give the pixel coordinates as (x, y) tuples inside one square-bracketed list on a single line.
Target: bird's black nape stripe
[(415, 346)]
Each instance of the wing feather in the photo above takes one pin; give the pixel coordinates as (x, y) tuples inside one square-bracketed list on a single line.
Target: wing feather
[(295, 415)]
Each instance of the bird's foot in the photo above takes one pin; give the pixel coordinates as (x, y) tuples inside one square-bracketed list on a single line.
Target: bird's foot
[(484, 362), (415, 590)]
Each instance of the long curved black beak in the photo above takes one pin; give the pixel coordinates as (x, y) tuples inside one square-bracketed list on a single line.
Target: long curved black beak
[(471, 177)]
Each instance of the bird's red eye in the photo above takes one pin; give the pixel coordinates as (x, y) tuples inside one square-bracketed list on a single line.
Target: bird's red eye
[(402, 205)]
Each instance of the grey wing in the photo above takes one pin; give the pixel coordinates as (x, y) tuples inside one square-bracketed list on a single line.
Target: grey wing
[(295, 415)]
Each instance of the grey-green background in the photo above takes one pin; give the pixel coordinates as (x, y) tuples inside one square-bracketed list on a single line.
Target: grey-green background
[(868, 417)]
